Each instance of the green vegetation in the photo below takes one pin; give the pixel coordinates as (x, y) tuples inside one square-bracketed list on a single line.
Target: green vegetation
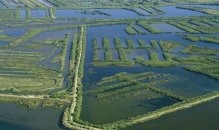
[(71, 115), (154, 44), (168, 46), (9, 14), (141, 43), (156, 62), (28, 13), (146, 26), (211, 39), (33, 102), (117, 42), (122, 54), (31, 33), (52, 13), (106, 43), (130, 43), (95, 53), (201, 9), (207, 69), (183, 27), (129, 82), (192, 49), (165, 110), (34, 70), (195, 60), (153, 56), (129, 29), (133, 30), (108, 55)]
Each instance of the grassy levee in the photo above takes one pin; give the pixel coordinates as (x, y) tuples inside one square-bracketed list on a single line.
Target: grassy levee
[(71, 115), (64, 51), (200, 9), (130, 30), (193, 49), (146, 26), (34, 101), (141, 43), (95, 47), (106, 43), (125, 80), (154, 44), (210, 39), (9, 14), (32, 3), (188, 103), (183, 27), (117, 42), (156, 62), (166, 92), (31, 33), (73, 53), (28, 13), (52, 13), (129, 43), (210, 70), (168, 46), (134, 85), (108, 56), (195, 60), (116, 63), (122, 55), (120, 76)]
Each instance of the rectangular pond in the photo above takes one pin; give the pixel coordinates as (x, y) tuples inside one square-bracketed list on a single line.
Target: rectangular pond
[(112, 108)]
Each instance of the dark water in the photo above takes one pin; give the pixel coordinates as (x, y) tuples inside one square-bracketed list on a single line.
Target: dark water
[(13, 117), (201, 117), (3, 42), (187, 84)]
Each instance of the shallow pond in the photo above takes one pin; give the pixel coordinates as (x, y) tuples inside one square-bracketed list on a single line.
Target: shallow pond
[(14, 32), (172, 11), (13, 117), (22, 14)]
